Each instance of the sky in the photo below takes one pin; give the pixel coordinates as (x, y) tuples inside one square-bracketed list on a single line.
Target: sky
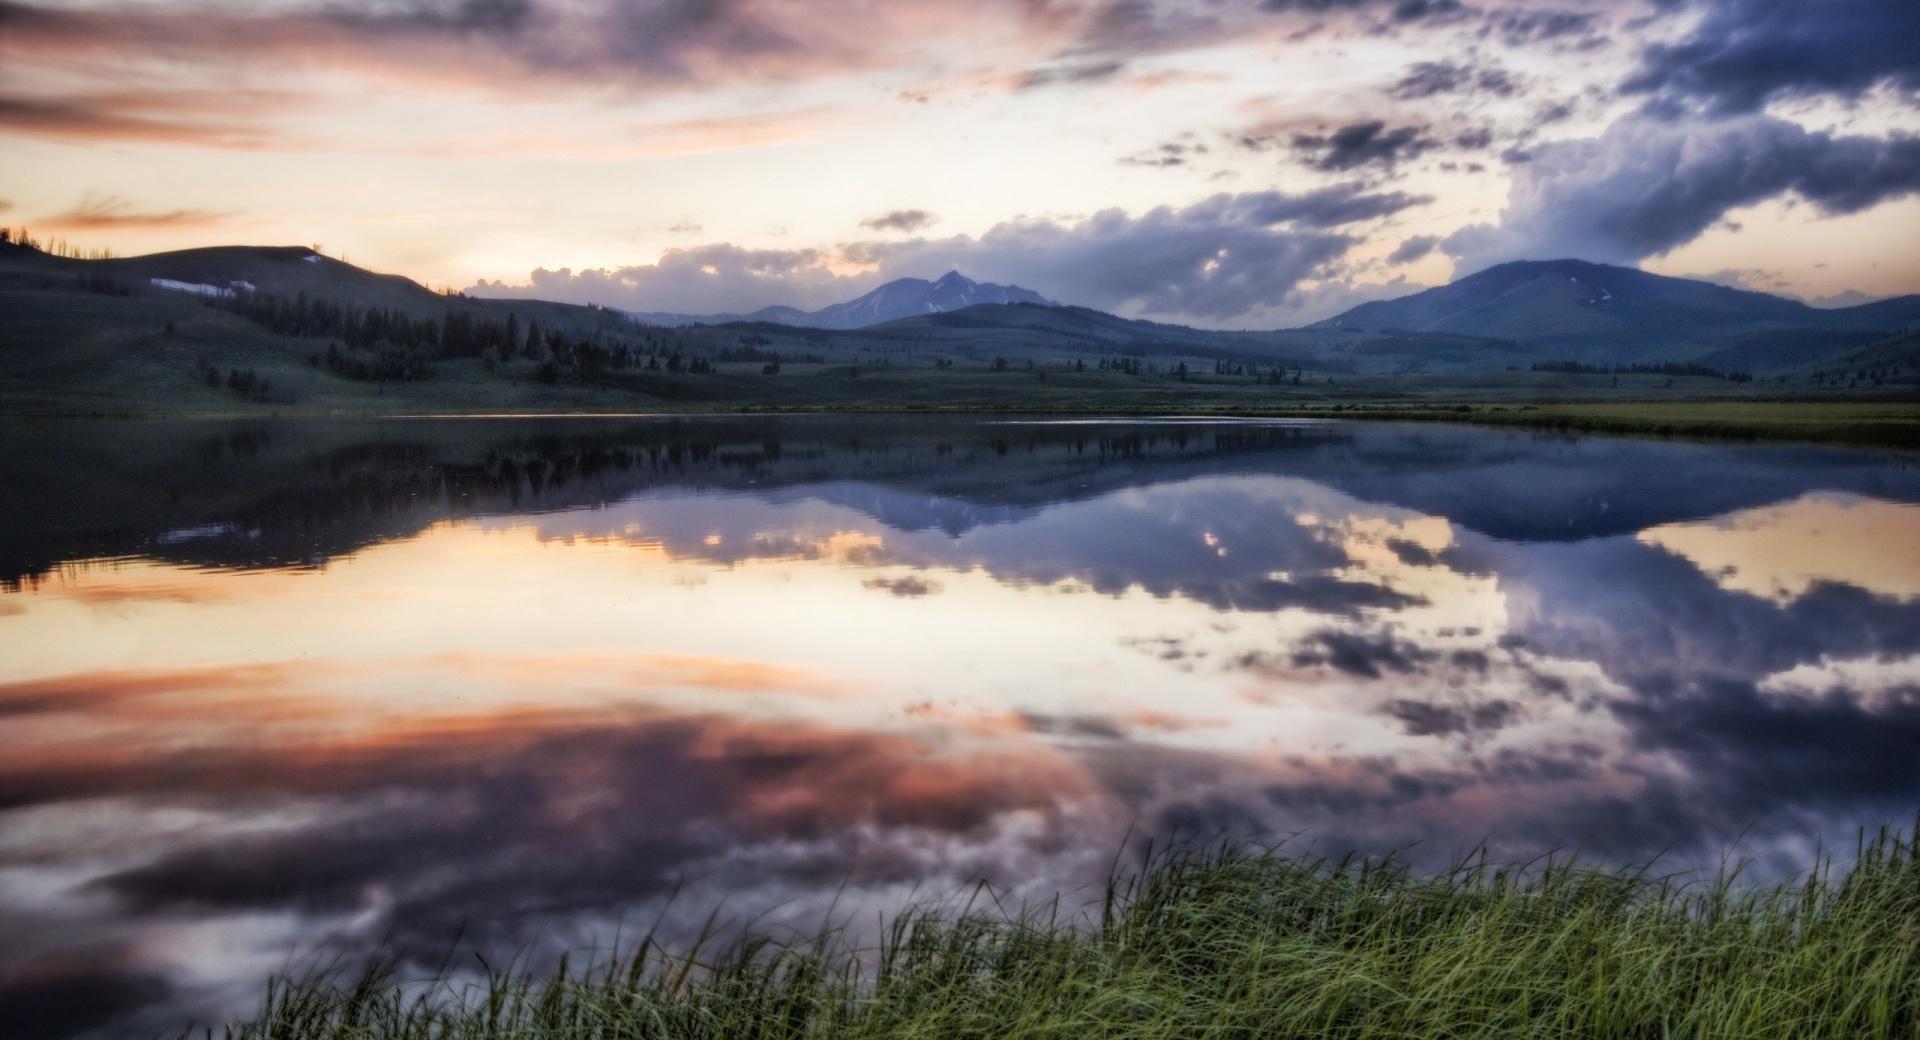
[(1219, 163)]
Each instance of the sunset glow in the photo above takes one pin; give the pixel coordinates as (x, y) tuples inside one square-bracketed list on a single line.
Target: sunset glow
[(1220, 164)]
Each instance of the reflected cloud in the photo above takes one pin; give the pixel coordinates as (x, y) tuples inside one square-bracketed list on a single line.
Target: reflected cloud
[(1780, 552)]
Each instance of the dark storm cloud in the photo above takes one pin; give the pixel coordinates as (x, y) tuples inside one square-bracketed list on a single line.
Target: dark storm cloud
[(1428, 78), (1520, 27), (1433, 719), (486, 43), (1477, 139), (1646, 186), (1328, 207), (900, 220), (911, 586), (1412, 553), (1363, 144), (1360, 655), (1400, 11), (1744, 53), (484, 17)]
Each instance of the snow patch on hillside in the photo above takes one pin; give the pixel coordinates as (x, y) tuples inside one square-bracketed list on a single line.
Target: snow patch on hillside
[(196, 288)]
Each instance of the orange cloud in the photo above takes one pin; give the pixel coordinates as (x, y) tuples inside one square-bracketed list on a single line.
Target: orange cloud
[(110, 212), (158, 119), (640, 670)]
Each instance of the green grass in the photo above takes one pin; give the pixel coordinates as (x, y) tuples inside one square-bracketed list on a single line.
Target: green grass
[(1883, 423), (1226, 942)]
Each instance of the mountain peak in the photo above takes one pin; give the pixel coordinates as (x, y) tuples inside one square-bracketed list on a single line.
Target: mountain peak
[(1608, 314), (952, 277)]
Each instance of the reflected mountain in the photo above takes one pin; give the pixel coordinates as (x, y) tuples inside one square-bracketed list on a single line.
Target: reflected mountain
[(266, 494)]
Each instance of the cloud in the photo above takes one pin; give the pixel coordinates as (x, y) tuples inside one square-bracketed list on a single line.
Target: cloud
[(163, 117), (1427, 78), (1363, 144), (1646, 186), (1745, 53), (493, 46), (1413, 249), (1080, 72), (111, 212), (1520, 27), (1432, 719), (1328, 207), (1167, 153), (697, 279), (1402, 11), (1213, 261), (900, 220), (1360, 655), (910, 586)]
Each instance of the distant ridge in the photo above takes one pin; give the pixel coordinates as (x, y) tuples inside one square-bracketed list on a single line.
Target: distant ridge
[(1602, 313), (1514, 317), (900, 298)]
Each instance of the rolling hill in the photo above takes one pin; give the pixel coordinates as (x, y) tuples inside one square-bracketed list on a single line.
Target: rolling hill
[(1601, 314), (282, 327), (285, 271)]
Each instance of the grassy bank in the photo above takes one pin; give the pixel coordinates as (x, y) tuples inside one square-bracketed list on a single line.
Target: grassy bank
[(1882, 424), (1892, 424), (1878, 423), (1232, 943)]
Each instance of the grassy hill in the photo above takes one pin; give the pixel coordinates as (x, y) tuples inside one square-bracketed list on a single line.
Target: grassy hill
[(1601, 314), (241, 329)]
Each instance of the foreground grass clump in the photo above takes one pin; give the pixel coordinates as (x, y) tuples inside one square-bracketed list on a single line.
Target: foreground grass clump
[(1226, 942)]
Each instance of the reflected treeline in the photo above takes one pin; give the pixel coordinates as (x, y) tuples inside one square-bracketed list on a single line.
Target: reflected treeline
[(296, 494), (263, 495)]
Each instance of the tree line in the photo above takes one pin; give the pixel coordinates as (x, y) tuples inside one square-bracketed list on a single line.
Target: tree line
[(1658, 368)]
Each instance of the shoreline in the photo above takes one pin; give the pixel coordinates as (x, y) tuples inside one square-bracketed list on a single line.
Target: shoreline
[(1223, 940), (1882, 424)]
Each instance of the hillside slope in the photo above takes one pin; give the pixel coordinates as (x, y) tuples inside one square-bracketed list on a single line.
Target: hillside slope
[(1602, 314)]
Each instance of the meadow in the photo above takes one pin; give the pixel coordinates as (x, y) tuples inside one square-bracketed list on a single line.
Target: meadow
[(1234, 941)]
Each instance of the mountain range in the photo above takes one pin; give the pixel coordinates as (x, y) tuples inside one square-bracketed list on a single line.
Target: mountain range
[(109, 325), (1513, 314), (1604, 314), (900, 298)]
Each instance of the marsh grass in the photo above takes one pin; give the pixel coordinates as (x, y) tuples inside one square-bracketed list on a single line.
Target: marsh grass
[(1228, 941)]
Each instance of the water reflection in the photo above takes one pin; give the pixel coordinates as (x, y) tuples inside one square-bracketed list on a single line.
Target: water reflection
[(281, 688)]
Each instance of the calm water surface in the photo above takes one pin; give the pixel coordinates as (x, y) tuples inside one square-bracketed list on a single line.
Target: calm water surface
[(274, 692)]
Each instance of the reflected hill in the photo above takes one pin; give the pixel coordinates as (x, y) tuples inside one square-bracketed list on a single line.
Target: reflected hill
[(259, 494)]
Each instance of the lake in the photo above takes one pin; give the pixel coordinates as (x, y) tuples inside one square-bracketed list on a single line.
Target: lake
[(276, 693)]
